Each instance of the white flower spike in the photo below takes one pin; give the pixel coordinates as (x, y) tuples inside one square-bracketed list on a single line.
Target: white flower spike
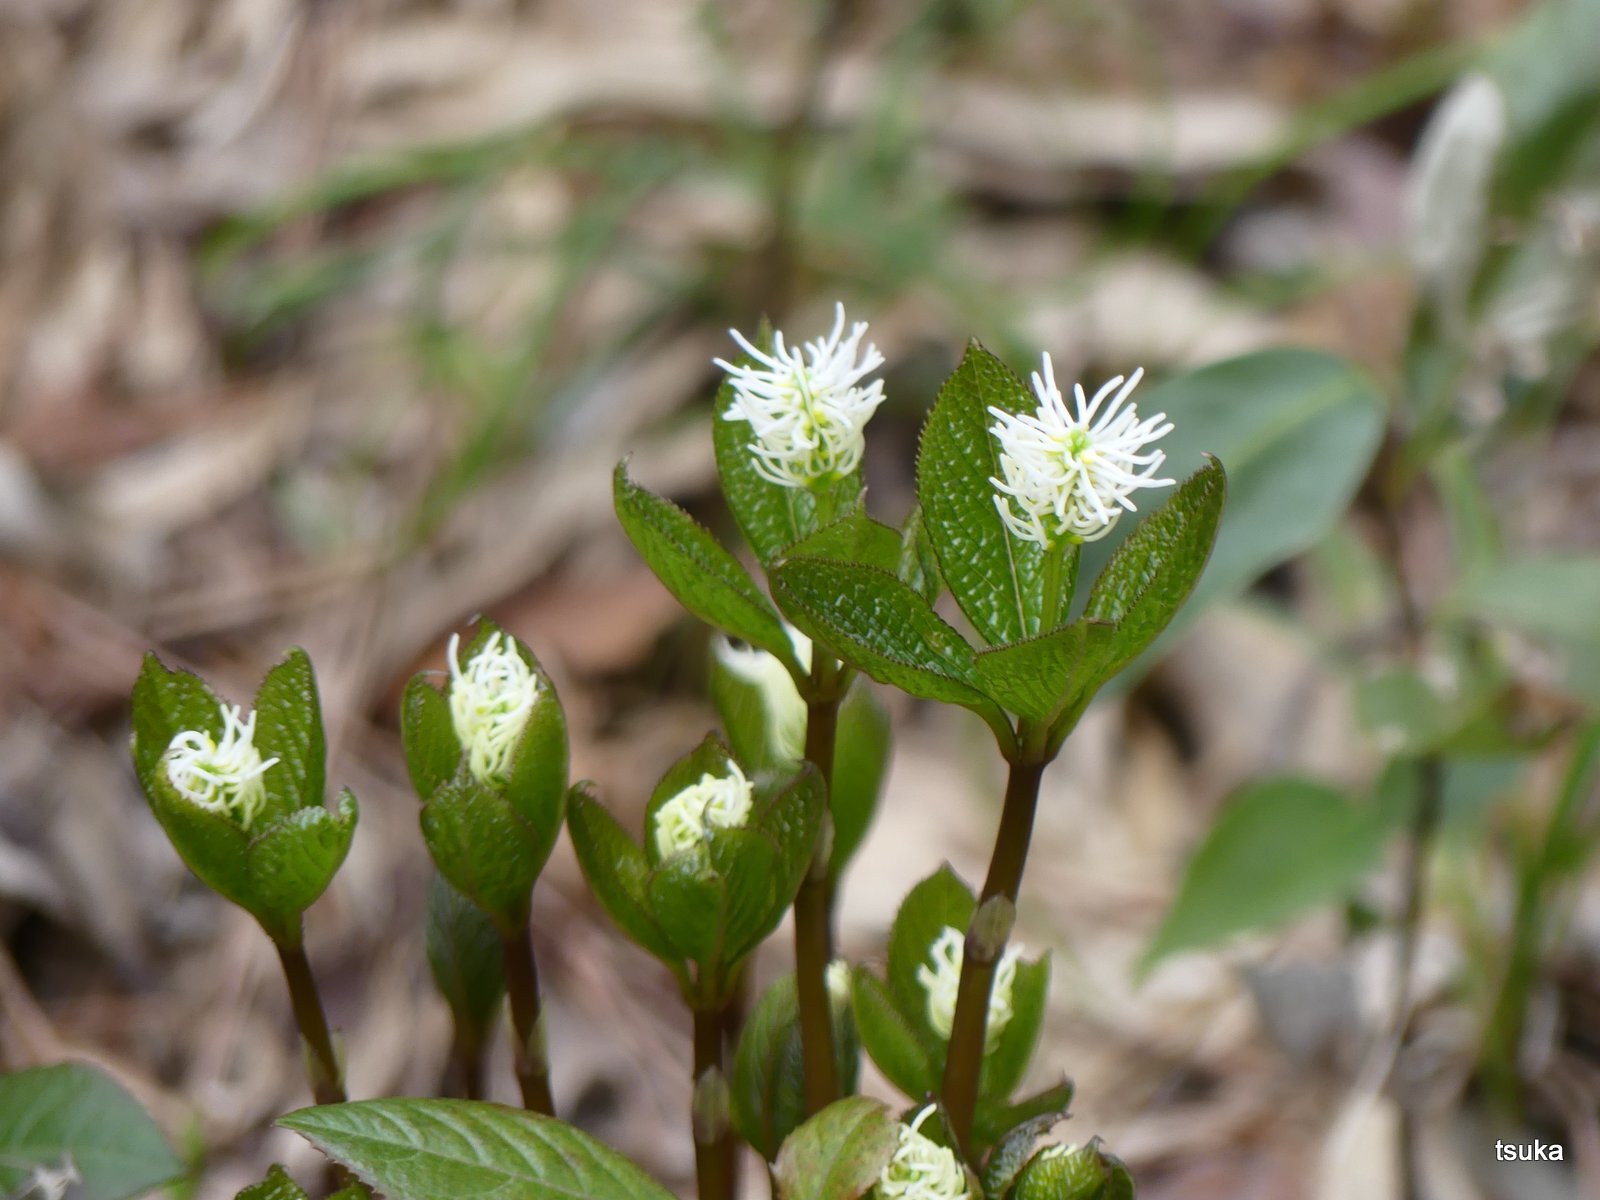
[(716, 802), (221, 776), (1068, 473), (807, 408), (491, 699), (940, 977), (921, 1169)]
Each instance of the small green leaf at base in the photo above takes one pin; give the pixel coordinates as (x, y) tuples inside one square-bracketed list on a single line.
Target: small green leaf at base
[(838, 1154), (447, 1149)]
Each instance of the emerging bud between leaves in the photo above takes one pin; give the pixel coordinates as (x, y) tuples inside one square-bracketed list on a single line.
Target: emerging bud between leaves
[(491, 699), (221, 776), (1069, 473), (921, 1169), (942, 980), (1066, 1172), (785, 711), (807, 408), (716, 802)]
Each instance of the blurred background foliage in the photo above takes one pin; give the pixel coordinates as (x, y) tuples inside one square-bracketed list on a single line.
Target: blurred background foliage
[(324, 324)]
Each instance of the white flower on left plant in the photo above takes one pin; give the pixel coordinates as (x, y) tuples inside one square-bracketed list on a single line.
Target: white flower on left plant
[(222, 775), (807, 407)]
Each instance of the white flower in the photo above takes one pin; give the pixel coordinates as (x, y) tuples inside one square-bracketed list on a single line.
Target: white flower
[(716, 802), (491, 699), (921, 1169), (807, 410), (785, 710), (1071, 472), (942, 980), (838, 979), (221, 776)]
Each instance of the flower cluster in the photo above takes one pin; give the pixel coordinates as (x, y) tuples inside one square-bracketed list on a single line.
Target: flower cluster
[(807, 408), (221, 776), (921, 1169), (940, 977), (716, 802), (1070, 472), (491, 699)]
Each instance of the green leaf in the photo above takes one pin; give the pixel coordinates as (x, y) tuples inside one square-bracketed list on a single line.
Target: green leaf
[(429, 733), (1012, 1151), (854, 538), (938, 901), (464, 957), (276, 1186), (919, 564), (165, 703), (1153, 572), (1555, 597), (792, 821), (293, 860), (1404, 713), (706, 579), (289, 728), (996, 577), (861, 750), (1043, 677), (209, 843), (1297, 431), (1278, 848), (771, 517), (1081, 1175), (881, 627), (690, 902), (993, 1121), (767, 1088), (484, 847), (750, 867), (1007, 1063), (617, 871), (447, 1149), (69, 1113), (890, 1041), (838, 1154)]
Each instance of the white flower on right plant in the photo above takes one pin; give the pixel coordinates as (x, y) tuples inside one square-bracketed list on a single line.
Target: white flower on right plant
[(920, 1168), (940, 978), (1068, 472)]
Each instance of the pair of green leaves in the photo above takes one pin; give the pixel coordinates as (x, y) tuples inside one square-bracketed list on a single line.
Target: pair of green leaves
[(898, 1032), (1033, 664), (285, 859), (489, 839), (713, 903)]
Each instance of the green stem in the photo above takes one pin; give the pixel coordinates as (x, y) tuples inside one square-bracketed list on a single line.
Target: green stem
[(813, 917), (465, 1072), (527, 1025), (715, 1157), (322, 1064), (986, 941)]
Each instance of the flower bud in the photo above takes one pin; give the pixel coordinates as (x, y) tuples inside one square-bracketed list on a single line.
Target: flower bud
[(222, 776), (921, 1169), (491, 699), (940, 977), (1064, 1172), (715, 802)]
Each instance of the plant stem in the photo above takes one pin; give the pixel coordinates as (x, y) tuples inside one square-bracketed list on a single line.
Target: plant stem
[(465, 1072), (527, 1026), (715, 1163), (813, 916), (964, 1064), (322, 1064)]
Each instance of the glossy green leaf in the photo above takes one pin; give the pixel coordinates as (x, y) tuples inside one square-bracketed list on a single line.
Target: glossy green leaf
[(447, 1149), (994, 1120), (919, 564), (165, 703), (1278, 848), (483, 847), (889, 1040), (838, 1154), (706, 579), (289, 728), (1046, 676), (1080, 1175), (996, 577), (749, 864), (432, 749), (861, 750), (1154, 571), (72, 1114), (210, 844), (1297, 431), (464, 957), (690, 901), (278, 1185), (1012, 1151), (293, 860), (939, 901), (854, 538), (792, 820), (617, 871), (883, 628)]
